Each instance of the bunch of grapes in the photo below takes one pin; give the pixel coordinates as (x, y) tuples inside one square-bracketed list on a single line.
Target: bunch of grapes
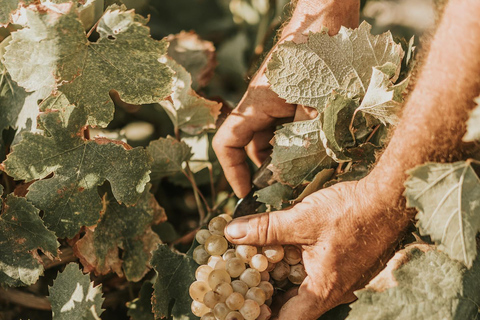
[(238, 282)]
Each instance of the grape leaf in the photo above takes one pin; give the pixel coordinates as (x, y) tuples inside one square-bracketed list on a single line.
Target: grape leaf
[(9, 7), (298, 152), (54, 50), (22, 233), (168, 156), (175, 273), (447, 197), (307, 73), (473, 124), (141, 307), (430, 287), (125, 228), (188, 111), (73, 296), (274, 195), (70, 198), (382, 99), (197, 56), (317, 183)]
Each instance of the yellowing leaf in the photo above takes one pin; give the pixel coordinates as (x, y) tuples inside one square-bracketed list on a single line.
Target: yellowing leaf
[(22, 233), (447, 196), (188, 111)]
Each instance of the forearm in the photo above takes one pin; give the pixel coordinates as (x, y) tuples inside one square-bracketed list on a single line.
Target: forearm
[(433, 121)]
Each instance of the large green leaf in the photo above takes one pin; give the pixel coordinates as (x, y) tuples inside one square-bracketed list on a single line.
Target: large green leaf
[(22, 233), (275, 195), (122, 228), (473, 124), (54, 51), (430, 287), (73, 296), (188, 111), (175, 273), (307, 73), (70, 198), (447, 196), (168, 155)]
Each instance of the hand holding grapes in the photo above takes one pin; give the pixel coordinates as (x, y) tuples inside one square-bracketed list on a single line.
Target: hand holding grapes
[(344, 234)]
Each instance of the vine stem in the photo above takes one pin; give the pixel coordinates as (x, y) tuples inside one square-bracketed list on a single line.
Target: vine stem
[(212, 185), (199, 198), (25, 299), (373, 132)]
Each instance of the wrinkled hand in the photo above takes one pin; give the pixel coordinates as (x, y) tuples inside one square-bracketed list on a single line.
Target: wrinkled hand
[(345, 234)]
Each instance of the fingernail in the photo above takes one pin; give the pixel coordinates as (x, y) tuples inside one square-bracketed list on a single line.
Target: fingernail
[(238, 228)]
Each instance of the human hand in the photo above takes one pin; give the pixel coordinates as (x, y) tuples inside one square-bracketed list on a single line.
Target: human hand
[(346, 232), (250, 127)]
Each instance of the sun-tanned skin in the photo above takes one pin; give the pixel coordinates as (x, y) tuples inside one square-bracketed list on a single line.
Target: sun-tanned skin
[(347, 231)]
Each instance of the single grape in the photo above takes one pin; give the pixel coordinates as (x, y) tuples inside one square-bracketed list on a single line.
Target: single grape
[(270, 267), (264, 276), (218, 276), (235, 301), (267, 287), (211, 298), (245, 252), (235, 267), (202, 273), (220, 311), (256, 294), (200, 255), (292, 255), (202, 235), (229, 254), (265, 312), (225, 216), (281, 271), (216, 245), (282, 284), (297, 274), (234, 315), (274, 253), (251, 277), (197, 290), (217, 225), (240, 287), (216, 262), (199, 309), (259, 262), (224, 290), (250, 310), (208, 316)]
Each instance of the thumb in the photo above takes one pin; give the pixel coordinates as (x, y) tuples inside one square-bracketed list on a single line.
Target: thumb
[(279, 227)]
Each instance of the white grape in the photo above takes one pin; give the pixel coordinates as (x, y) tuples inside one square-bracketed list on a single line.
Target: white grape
[(270, 267), (235, 301), (234, 315), (221, 310), (245, 252), (202, 273), (251, 277), (282, 284), (281, 271), (200, 255), (216, 245), (218, 276), (216, 262), (202, 235), (224, 290), (256, 294), (235, 267), (274, 253), (217, 225), (259, 262), (208, 316), (211, 298), (250, 310), (199, 309), (197, 290), (229, 254), (292, 255), (267, 287), (264, 276), (226, 216), (297, 274), (240, 287), (265, 312)]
